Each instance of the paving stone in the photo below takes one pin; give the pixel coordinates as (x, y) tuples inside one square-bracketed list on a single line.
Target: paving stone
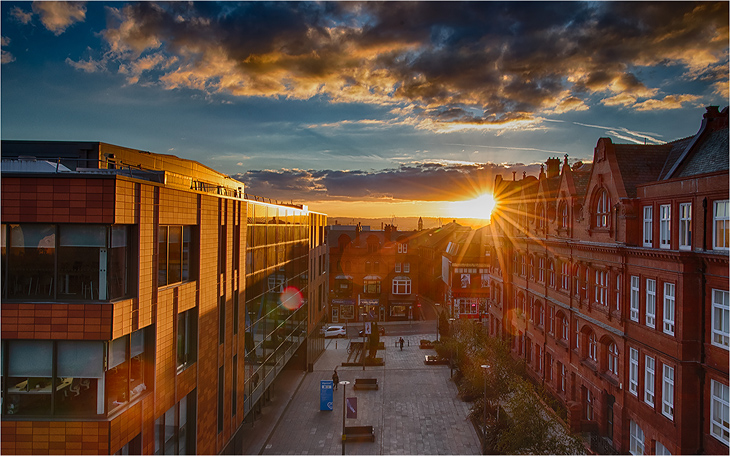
[(416, 410)]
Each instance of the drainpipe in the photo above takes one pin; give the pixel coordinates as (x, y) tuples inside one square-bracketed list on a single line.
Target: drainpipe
[(704, 223), (703, 324)]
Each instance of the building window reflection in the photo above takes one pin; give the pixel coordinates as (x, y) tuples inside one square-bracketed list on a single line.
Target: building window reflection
[(66, 262)]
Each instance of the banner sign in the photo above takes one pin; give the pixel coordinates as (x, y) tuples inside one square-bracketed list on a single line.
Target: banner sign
[(325, 395), (352, 407)]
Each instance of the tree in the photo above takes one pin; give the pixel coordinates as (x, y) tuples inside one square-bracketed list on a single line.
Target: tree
[(531, 430)]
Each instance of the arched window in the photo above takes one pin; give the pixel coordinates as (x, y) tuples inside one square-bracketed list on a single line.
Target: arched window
[(565, 332), (613, 358), (540, 216), (564, 215), (603, 207), (592, 353)]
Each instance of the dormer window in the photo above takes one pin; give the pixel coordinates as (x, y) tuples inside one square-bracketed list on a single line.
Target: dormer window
[(602, 209)]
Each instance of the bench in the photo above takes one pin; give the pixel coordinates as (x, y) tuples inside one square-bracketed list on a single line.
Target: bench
[(366, 383), (353, 433), (425, 344), (433, 359)]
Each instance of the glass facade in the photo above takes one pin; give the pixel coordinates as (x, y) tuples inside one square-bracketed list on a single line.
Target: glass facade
[(277, 259), (75, 378), (43, 262)]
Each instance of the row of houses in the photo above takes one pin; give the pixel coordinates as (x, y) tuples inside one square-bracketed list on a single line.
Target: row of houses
[(610, 280)]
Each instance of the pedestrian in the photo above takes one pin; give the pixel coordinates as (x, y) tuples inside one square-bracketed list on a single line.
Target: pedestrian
[(401, 343), (335, 378)]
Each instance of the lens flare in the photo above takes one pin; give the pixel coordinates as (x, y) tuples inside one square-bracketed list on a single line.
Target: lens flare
[(291, 298)]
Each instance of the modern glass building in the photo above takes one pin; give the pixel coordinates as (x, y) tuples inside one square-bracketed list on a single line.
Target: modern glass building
[(147, 303)]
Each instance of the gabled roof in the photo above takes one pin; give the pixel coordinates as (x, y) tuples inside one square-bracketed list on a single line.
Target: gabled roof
[(710, 156)]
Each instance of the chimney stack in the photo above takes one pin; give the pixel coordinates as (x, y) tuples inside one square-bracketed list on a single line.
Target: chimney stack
[(553, 167)]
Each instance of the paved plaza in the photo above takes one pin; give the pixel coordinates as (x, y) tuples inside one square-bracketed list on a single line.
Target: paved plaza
[(416, 409)]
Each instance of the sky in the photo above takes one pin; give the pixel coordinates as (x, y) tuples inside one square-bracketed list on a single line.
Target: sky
[(362, 109)]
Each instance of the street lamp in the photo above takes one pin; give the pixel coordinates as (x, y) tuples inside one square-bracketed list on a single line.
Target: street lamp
[(364, 315), (344, 384), (486, 368), (451, 329)]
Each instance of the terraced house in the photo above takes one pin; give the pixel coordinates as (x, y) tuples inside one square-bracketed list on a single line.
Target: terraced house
[(147, 303), (611, 280)]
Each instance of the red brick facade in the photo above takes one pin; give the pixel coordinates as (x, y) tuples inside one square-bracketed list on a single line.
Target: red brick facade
[(599, 285)]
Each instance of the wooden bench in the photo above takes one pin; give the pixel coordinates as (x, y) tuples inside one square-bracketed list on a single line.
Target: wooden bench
[(366, 383), (354, 433)]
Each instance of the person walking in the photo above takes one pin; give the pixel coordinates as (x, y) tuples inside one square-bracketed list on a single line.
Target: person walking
[(335, 378), (401, 343)]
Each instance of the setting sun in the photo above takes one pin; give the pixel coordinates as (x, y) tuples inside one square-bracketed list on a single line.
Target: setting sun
[(480, 207)]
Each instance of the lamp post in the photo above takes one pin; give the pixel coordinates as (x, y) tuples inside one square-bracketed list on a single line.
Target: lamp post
[(486, 368), (344, 384), (451, 329), (364, 336)]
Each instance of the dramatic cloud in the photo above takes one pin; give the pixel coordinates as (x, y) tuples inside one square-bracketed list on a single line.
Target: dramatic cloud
[(433, 181), (58, 16), (445, 65)]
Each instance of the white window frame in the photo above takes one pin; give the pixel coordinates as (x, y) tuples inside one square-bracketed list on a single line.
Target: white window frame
[(601, 287), (649, 379), (668, 391), (397, 267), (661, 450), (402, 247), (592, 347), (648, 226), (685, 226), (669, 308), (634, 371), (402, 286), (721, 318), (634, 297), (565, 329), (565, 276), (720, 225), (589, 405), (613, 358), (618, 292), (665, 226), (541, 270), (562, 377), (650, 308), (636, 440), (720, 411), (603, 209), (407, 267)]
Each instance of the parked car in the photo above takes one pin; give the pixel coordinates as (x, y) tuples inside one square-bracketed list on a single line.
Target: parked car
[(381, 330), (335, 331)]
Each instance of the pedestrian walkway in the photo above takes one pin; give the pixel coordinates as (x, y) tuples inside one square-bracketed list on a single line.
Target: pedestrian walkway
[(416, 409)]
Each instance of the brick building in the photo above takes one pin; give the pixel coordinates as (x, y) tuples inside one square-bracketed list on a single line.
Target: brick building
[(373, 273), (147, 304), (465, 264), (611, 280)]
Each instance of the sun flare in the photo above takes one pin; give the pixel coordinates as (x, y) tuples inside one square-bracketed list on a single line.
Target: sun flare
[(480, 207)]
